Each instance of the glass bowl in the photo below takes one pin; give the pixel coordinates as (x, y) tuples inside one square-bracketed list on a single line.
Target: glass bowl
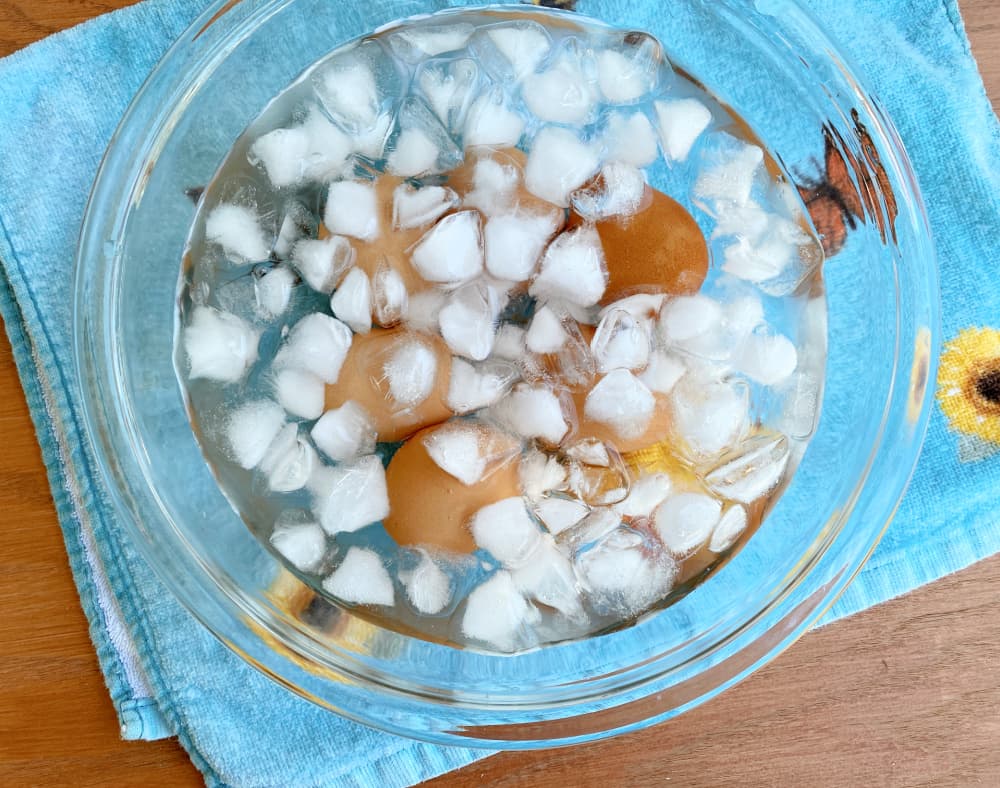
[(772, 64)]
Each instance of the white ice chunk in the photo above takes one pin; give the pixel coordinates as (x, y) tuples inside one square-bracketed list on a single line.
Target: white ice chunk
[(471, 388), (662, 373), (371, 142), (468, 320), (236, 228), (352, 209), (623, 79), (302, 544), (452, 252), (493, 186), (514, 242), (506, 531), (273, 291), (681, 123), (318, 344), (534, 412), (410, 371), (415, 153), (423, 310), (510, 342), (685, 521), (644, 307), (323, 263), (729, 528), (427, 585), (731, 180), (289, 461), (413, 207), (573, 269), (423, 41), (646, 493), (547, 577), (219, 345), (685, 319), (747, 222), (352, 496), (352, 301), (497, 613), (362, 579), (390, 300), (709, 418), (540, 473), (345, 432), (296, 223), (524, 46), (622, 402), (313, 151), (299, 392), (622, 576), (559, 162), (448, 87), (492, 121), (768, 256), (457, 450), (251, 428), (618, 191), (630, 139), (558, 514), (766, 358), (620, 342), (562, 93), (754, 472), (349, 91), (546, 333)]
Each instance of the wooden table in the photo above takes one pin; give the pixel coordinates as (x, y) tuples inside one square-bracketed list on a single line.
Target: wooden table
[(904, 694)]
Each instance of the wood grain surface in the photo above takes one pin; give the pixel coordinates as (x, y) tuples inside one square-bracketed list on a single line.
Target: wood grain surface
[(906, 694)]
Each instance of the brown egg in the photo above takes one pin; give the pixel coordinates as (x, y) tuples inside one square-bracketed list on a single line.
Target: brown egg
[(658, 427), (431, 507), (363, 379)]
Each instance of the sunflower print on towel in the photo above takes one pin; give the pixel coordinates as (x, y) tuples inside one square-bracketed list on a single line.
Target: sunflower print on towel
[(968, 391)]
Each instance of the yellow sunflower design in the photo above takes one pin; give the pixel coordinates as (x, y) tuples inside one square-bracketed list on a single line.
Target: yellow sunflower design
[(969, 384)]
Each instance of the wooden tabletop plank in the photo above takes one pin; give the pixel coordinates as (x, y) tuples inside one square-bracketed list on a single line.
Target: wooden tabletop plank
[(903, 694)]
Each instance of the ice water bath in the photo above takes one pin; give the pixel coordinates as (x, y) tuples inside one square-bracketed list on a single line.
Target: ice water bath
[(501, 332)]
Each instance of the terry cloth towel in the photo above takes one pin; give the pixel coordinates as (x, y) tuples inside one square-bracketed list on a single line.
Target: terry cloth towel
[(166, 675)]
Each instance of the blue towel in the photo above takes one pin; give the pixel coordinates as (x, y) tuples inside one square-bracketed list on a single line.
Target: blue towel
[(60, 101)]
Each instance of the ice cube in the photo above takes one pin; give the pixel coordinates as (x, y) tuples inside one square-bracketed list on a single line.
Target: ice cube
[(219, 345), (412, 207), (352, 301), (345, 432), (558, 514), (428, 587), (411, 370), (630, 139), (753, 471), (563, 93), (599, 476), (422, 41), (299, 392), (546, 333), (468, 320), (356, 86), (709, 418), (514, 242), (315, 150), (473, 387), (452, 251), (493, 121), (302, 544), (389, 297), (352, 496), (573, 269), (681, 122), (510, 342), (644, 307), (747, 222), (498, 614), (423, 145), (413, 154), (802, 400), (458, 450), (523, 45), (624, 576), (729, 528), (766, 358), (237, 229), (533, 412), (493, 186), (298, 222), (559, 162), (423, 310), (730, 176), (352, 209), (687, 319), (617, 191), (273, 291), (768, 256), (646, 493), (318, 344), (684, 522), (361, 579), (251, 428), (540, 473), (662, 373), (627, 76), (323, 263), (371, 143), (547, 577), (448, 87), (620, 342), (621, 401), (289, 461), (506, 530)]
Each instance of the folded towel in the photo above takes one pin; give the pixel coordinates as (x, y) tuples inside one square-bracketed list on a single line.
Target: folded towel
[(62, 99)]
